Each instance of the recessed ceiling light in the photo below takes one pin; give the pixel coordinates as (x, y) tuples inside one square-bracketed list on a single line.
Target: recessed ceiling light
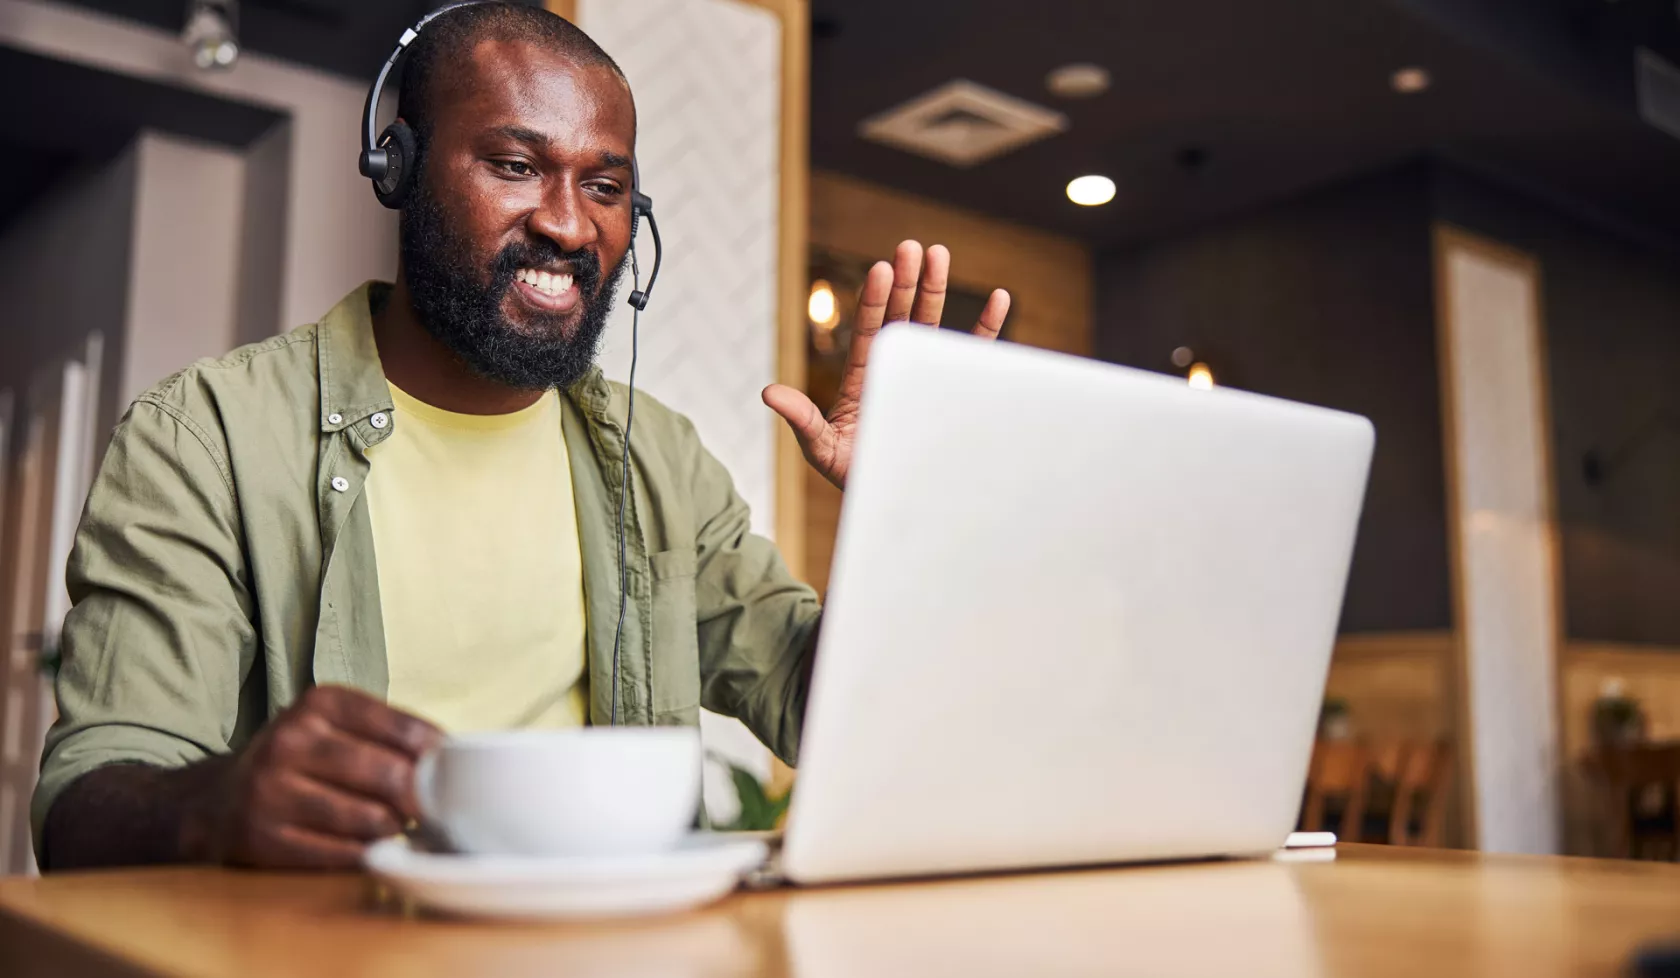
[(1091, 190), (1410, 81), (1077, 81)]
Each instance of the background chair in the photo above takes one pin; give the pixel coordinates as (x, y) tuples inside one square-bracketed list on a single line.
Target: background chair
[(1337, 779), (1639, 783)]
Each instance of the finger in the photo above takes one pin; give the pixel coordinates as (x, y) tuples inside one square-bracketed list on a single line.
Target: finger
[(280, 845), (907, 269), (366, 718), (798, 410), (337, 813), (872, 309), (992, 315), (372, 771), (814, 433), (930, 297)]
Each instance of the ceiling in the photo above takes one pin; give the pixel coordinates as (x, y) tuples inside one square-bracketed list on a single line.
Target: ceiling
[(1217, 105), (349, 37)]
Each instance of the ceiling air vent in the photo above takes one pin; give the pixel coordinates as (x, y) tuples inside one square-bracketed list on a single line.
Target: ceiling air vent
[(962, 123), (1659, 92)]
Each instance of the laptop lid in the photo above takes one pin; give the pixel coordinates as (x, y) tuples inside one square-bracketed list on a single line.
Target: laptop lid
[(1078, 613)]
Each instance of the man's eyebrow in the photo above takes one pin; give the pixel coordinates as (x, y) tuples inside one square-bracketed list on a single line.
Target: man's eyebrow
[(522, 134)]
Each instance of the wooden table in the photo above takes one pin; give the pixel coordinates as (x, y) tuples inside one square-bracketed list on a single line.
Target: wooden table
[(1373, 911)]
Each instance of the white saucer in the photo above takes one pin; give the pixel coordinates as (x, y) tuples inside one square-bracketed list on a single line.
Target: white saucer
[(703, 868)]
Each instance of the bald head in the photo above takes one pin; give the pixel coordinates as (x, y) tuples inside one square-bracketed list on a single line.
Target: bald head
[(446, 45)]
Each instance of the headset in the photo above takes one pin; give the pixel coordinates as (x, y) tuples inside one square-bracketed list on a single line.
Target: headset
[(387, 159)]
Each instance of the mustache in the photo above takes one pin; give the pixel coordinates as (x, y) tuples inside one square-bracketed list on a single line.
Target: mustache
[(585, 266)]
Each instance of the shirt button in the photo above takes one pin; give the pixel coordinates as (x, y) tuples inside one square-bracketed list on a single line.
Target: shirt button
[(340, 483), (335, 419), (379, 420)]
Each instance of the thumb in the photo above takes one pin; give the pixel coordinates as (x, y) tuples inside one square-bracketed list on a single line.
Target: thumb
[(799, 411)]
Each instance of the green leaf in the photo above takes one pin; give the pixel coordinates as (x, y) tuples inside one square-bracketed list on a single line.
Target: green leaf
[(759, 812)]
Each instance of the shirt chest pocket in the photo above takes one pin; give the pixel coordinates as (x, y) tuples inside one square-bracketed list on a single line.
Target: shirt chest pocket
[(676, 644)]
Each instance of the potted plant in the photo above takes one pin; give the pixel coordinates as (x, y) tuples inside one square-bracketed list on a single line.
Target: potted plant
[(1617, 719), (759, 811)]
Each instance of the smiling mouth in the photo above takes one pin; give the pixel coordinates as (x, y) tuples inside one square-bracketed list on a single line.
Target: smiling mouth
[(546, 291), (548, 283)]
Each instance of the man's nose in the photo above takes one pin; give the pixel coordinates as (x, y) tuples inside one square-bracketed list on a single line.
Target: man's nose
[(563, 218)]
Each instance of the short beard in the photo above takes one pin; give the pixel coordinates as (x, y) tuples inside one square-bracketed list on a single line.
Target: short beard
[(464, 314)]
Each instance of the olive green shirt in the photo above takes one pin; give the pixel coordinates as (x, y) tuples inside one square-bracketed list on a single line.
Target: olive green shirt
[(225, 562)]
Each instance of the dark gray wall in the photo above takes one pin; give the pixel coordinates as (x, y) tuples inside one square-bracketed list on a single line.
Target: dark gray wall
[(1612, 313), (64, 273), (1325, 299), (1328, 299)]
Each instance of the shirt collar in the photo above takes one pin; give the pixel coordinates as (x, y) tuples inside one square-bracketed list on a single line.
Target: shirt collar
[(353, 383), (352, 380)]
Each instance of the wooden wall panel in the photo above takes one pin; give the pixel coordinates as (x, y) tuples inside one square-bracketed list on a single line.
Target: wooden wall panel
[(1394, 684), (1049, 276), (1648, 674)]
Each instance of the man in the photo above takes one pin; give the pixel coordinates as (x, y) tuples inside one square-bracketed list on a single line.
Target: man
[(244, 681)]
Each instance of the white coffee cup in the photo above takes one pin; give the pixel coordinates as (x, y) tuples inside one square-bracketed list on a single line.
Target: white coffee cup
[(595, 791)]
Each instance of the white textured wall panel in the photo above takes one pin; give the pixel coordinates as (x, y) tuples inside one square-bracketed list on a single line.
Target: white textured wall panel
[(1506, 567)]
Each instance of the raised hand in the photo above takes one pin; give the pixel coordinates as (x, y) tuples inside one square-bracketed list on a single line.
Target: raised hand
[(907, 289)]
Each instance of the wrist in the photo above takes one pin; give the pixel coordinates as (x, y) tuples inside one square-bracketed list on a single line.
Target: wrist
[(201, 827)]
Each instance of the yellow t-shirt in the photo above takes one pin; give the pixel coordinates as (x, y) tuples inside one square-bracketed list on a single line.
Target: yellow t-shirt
[(480, 571)]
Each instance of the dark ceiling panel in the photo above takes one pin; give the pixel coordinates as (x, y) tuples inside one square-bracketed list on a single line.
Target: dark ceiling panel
[(1270, 98), (94, 113), (347, 37)]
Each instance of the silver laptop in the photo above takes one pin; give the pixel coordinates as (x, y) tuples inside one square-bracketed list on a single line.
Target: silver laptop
[(1078, 614)]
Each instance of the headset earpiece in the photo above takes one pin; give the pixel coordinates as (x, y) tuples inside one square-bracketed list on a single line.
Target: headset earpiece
[(395, 178), (388, 160)]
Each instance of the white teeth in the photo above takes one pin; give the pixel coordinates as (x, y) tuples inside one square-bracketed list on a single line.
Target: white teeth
[(545, 282)]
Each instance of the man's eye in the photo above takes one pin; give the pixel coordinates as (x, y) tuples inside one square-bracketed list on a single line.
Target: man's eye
[(518, 168), (605, 188)]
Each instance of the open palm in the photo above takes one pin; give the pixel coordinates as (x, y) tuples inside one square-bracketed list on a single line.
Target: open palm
[(907, 289)]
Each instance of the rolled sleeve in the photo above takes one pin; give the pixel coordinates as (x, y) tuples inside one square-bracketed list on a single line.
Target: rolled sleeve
[(160, 634), (757, 623)]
